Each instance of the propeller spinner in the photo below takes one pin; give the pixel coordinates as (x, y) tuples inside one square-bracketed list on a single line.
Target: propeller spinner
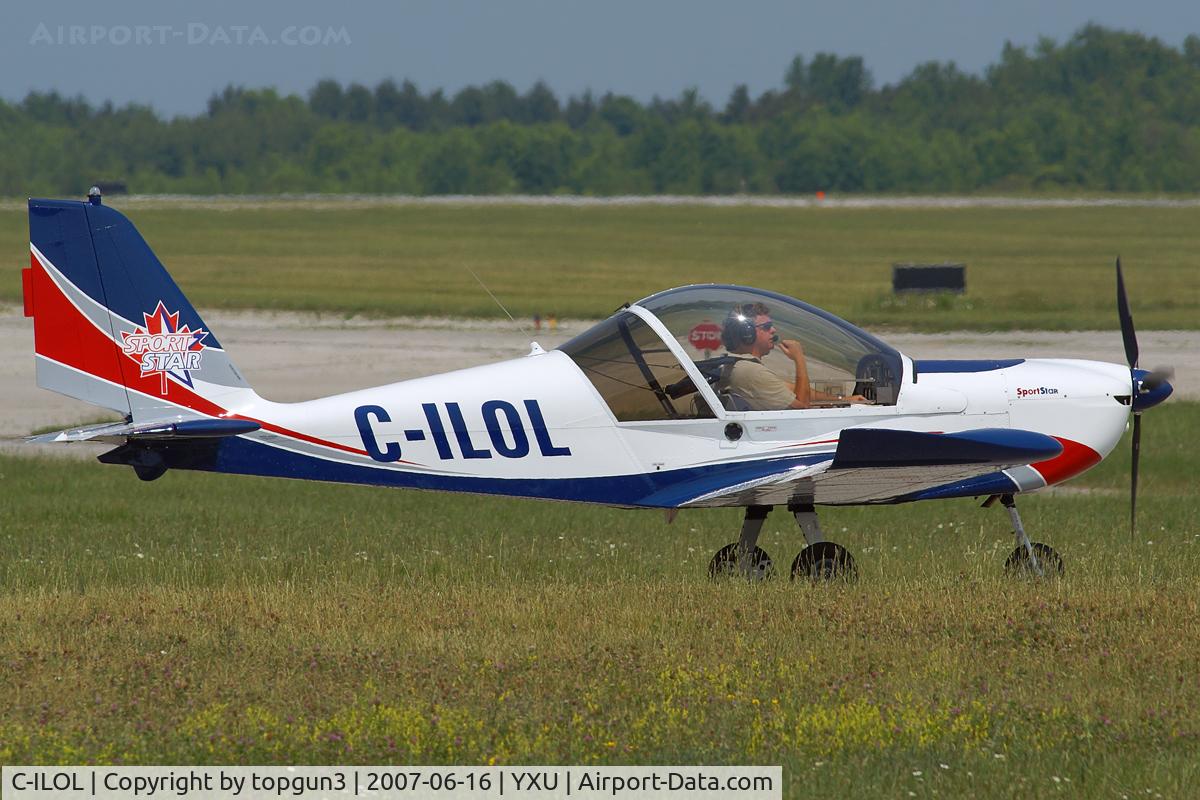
[(1148, 389)]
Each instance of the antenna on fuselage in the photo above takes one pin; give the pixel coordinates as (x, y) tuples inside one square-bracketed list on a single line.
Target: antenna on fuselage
[(496, 300)]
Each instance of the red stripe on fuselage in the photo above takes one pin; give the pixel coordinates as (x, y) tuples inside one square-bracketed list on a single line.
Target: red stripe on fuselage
[(267, 426), (64, 334), (1074, 459)]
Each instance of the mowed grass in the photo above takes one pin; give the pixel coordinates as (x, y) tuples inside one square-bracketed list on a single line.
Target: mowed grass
[(216, 619), (1027, 268)]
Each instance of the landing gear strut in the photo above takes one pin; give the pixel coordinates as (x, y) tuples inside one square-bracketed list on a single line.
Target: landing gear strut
[(820, 560), (1029, 559)]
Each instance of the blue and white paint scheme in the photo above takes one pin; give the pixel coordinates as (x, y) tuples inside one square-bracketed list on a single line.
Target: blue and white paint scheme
[(634, 412)]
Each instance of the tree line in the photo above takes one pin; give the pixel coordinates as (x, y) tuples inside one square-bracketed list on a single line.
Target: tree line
[(1105, 110)]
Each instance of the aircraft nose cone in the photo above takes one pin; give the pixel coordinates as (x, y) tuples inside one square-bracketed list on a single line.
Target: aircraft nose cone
[(1150, 392)]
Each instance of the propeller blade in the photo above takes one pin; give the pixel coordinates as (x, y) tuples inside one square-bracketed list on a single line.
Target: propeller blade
[(1127, 333), (1137, 451)]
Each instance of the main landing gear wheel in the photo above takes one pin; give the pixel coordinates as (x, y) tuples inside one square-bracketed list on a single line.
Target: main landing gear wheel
[(825, 562), (1020, 565), (726, 564)]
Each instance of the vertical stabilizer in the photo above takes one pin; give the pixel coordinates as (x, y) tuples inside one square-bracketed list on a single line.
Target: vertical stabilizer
[(110, 325)]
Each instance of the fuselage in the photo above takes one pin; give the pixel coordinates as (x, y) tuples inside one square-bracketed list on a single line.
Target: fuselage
[(643, 409), (535, 426)]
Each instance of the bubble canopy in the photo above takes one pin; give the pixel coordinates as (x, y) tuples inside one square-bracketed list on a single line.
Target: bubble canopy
[(641, 376), (829, 336)]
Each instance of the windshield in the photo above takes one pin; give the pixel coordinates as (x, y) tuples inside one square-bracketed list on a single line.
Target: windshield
[(740, 339)]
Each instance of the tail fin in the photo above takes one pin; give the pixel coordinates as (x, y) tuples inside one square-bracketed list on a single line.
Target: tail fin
[(111, 327)]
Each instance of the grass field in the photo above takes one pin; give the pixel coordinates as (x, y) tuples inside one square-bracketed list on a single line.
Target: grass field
[(215, 619), (1027, 268)]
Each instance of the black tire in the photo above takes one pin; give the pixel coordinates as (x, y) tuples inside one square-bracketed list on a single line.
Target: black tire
[(1018, 564), (825, 562), (725, 564)]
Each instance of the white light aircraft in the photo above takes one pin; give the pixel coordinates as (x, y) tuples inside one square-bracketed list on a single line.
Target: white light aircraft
[(641, 411)]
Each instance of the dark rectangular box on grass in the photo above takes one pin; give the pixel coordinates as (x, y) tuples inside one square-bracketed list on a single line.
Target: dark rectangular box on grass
[(929, 278)]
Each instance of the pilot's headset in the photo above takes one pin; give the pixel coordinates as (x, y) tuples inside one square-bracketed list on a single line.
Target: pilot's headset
[(738, 330)]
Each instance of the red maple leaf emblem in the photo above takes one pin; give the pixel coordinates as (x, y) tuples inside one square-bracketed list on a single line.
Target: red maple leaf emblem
[(164, 348)]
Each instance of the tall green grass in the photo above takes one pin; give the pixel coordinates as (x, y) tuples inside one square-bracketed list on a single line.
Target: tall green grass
[(212, 619), (1027, 268)]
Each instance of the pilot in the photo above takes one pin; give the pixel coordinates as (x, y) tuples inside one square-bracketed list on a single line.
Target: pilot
[(749, 334)]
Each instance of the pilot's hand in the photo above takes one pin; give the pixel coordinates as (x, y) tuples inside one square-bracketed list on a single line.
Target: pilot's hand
[(857, 398), (792, 349)]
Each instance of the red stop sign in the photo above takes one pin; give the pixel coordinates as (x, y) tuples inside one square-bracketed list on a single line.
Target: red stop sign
[(705, 336)]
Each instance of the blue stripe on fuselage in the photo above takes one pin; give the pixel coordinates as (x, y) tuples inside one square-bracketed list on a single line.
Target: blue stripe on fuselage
[(934, 365), (979, 486), (664, 489)]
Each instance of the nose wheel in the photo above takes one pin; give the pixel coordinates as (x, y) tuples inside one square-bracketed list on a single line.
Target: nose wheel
[(1044, 562), (1029, 559)]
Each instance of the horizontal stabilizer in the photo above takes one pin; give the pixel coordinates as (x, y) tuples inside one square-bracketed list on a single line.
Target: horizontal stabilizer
[(880, 447), (119, 432)]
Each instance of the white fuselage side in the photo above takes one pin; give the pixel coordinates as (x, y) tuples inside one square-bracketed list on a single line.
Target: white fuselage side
[(538, 417)]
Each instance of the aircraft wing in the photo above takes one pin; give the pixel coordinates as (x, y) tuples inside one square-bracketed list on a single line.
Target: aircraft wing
[(160, 430), (877, 465)]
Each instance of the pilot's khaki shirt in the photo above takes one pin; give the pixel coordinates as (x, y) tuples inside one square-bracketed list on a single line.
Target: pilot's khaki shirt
[(761, 388)]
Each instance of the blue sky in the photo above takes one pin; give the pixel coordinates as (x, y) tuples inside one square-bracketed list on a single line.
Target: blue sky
[(174, 55)]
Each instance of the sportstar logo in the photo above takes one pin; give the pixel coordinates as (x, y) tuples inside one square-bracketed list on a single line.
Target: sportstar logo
[(164, 348), (1039, 390)]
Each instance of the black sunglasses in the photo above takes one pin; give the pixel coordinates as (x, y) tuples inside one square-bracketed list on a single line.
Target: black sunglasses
[(766, 326)]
